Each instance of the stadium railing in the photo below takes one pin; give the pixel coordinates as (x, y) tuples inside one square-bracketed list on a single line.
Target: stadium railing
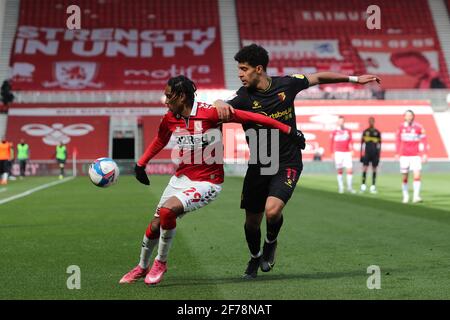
[(438, 97)]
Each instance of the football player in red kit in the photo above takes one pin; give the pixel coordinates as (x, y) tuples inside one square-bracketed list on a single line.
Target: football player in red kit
[(199, 176), (341, 147), (410, 135)]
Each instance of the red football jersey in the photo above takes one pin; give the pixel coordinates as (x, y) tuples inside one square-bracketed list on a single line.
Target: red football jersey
[(341, 140), (409, 138), (192, 138)]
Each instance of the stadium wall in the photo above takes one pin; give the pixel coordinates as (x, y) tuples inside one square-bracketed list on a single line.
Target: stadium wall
[(85, 127), (2, 18)]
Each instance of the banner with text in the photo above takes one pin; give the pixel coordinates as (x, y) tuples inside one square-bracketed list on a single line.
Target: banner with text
[(111, 55), (403, 61)]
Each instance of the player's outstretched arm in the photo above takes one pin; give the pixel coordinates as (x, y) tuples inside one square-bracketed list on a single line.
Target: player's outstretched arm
[(158, 143), (224, 110), (379, 144), (332, 142), (426, 146), (297, 136), (361, 150), (333, 77), (398, 143)]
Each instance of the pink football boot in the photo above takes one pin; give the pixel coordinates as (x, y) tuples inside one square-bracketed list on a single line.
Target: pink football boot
[(134, 275), (155, 275)]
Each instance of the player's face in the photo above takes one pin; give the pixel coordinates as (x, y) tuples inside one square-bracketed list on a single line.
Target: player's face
[(341, 122), (413, 66), (250, 76), (409, 117), (371, 122), (173, 102)]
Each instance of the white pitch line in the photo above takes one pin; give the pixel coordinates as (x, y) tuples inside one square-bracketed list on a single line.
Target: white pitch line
[(28, 192)]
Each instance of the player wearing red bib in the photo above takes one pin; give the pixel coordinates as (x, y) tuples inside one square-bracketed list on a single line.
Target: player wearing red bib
[(410, 135), (341, 147), (197, 130)]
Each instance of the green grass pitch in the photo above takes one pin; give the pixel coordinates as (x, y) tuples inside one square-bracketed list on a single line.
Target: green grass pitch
[(326, 244)]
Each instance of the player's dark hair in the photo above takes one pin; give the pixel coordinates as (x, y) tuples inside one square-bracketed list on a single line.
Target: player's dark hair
[(410, 111), (183, 85), (407, 54), (254, 55)]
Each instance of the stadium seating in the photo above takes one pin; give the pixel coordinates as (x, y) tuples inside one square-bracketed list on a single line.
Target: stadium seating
[(159, 14), (342, 21), (157, 39)]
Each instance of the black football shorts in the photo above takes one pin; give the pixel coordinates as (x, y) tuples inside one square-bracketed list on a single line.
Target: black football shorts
[(257, 188), (371, 157)]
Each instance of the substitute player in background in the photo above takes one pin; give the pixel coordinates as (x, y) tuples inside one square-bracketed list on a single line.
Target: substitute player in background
[(5, 156), (61, 157), (342, 150), (264, 194), (370, 154), (409, 137), (195, 183), (23, 155)]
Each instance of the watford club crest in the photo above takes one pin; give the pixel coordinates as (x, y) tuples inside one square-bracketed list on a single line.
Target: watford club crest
[(282, 96), (256, 105)]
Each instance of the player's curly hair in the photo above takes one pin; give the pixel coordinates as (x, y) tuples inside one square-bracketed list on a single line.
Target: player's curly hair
[(254, 55), (183, 85)]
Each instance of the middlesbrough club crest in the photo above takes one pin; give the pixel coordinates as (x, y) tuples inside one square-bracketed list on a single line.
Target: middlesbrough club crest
[(74, 75)]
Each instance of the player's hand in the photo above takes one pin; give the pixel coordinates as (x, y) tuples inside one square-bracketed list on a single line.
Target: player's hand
[(298, 137), (140, 174), (224, 110), (424, 158), (366, 78)]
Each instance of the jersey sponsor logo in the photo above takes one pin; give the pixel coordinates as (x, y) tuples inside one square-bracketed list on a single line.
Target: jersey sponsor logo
[(286, 114), (344, 136), (410, 136), (192, 141), (298, 76), (204, 105), (371, 139)]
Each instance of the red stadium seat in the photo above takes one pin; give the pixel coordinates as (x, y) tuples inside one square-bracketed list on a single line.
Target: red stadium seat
[(143, 15), (342, 21)]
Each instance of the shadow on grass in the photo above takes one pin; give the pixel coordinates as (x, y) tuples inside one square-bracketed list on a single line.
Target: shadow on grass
[(15, 226), (262, 278), (411, 210)]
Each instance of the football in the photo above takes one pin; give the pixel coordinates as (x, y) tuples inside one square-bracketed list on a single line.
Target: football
[(104, 172)]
